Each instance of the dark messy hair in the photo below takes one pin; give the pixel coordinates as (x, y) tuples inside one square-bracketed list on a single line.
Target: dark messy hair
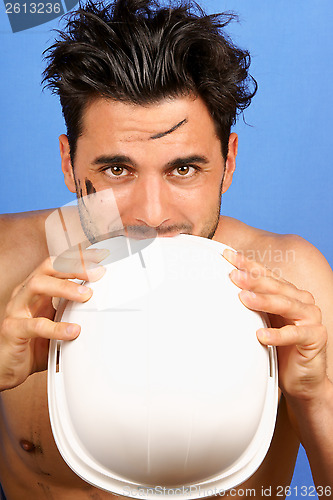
[(138, 52)]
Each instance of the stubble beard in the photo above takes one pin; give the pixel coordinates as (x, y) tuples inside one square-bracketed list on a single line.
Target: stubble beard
[(93, 234)]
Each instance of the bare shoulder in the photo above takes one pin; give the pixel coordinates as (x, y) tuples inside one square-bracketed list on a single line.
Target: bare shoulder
[(22, 232), (22, 248), (290, 255)]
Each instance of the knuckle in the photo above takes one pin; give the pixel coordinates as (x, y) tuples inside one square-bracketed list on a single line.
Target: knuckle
[(34, 283), (68, 287), (7, 326), (287, 305), (47, 264), (63, 288), (59, 330), (317, 312), (293, 331), (309, 297), (39, 326)]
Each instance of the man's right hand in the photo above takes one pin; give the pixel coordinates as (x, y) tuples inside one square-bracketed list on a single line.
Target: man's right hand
[(28, 323)]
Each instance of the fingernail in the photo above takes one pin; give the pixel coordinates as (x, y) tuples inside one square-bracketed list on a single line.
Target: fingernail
[(73, 330), (55, 302), (228, 253), (247, 294), (238, 274), (83, 289), (96, 273), (264, 335)]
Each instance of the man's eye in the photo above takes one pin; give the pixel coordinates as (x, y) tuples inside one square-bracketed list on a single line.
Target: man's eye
[(184, 171), (116, 171)]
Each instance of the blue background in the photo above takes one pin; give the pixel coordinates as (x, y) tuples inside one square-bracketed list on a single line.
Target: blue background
[(283, 181)]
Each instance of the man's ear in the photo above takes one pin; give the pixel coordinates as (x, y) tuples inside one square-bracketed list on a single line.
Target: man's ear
[(66, 164), (230, 163)]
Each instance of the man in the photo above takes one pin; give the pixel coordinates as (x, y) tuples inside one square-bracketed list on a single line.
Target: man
[(149, 98)]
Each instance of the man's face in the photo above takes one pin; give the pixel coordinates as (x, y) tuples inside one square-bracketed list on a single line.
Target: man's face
[(160, 164)]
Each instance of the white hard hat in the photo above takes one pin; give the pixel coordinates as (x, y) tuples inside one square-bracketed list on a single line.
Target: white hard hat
[(167, 389)]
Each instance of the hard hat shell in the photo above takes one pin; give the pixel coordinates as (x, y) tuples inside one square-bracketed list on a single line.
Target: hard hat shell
[(167, 388)]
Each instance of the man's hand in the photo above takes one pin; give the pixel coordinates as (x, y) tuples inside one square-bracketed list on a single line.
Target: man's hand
[(28, 323), (297, 328)]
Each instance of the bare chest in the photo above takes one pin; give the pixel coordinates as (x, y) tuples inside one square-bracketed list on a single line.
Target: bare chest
[(33, 464)]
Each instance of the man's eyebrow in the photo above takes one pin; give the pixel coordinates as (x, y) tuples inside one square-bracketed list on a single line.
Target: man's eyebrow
[(112, 159), (162, 134), (178, 162)]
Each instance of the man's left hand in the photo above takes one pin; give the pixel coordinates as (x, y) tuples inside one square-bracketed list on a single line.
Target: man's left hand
[(296, 325)]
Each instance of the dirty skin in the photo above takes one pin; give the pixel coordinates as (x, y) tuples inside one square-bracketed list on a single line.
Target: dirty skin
[(172, 129), (89, 187)]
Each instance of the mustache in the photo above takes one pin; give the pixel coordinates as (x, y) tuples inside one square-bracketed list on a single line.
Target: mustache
[(141, 232), (152, 232)]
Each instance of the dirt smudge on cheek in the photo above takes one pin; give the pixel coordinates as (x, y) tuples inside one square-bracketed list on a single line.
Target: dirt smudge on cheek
[(89, 187)]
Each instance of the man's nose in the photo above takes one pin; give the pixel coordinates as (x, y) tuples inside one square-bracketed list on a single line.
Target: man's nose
[(151, 200)]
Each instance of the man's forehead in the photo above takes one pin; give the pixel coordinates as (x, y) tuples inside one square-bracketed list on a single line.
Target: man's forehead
[(127, 121)]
